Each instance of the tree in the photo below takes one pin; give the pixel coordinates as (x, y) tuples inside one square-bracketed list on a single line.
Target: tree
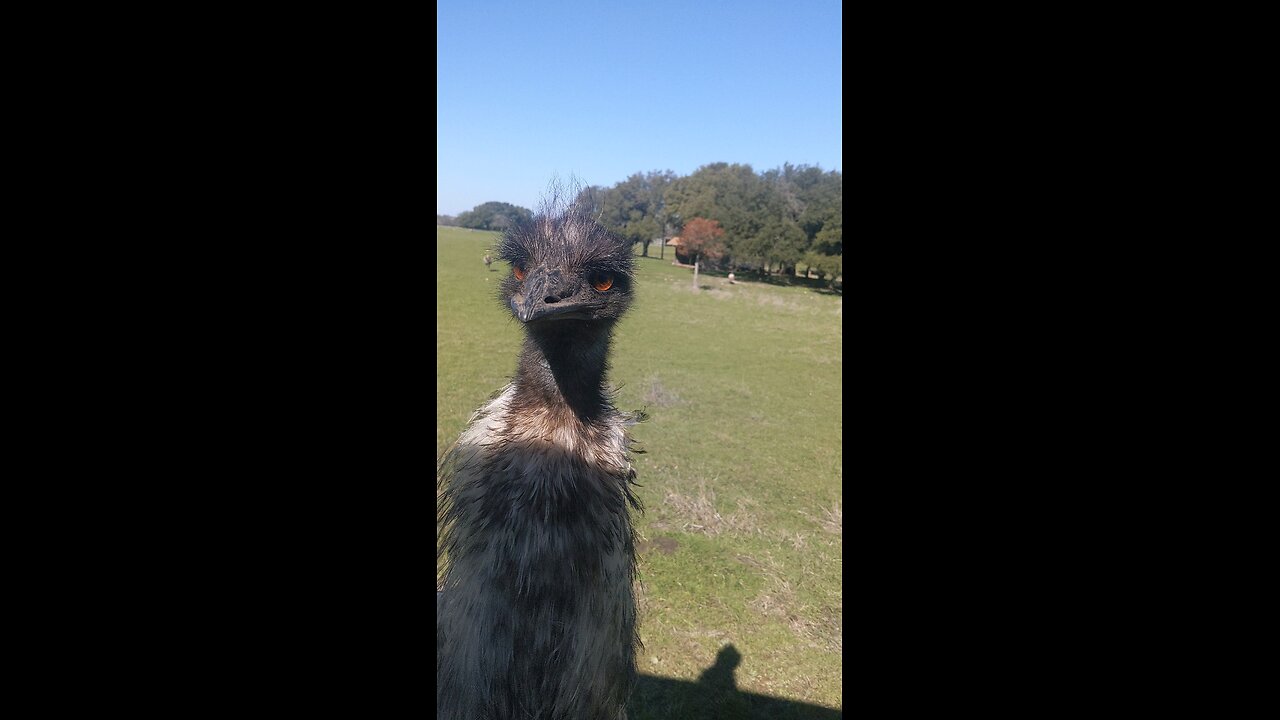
[(829, 240), (822, 200), (732, 195), (589, 199), (828, 267), (780, 241), (636, 207), (494, 216), (800, 207), (701, 238), (771, 220)]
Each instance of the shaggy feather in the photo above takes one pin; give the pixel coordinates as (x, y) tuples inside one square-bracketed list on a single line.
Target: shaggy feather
[(537, 618)]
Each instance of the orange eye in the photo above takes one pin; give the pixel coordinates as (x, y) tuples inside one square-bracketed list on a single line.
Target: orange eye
[(602, 282), (519, 272)]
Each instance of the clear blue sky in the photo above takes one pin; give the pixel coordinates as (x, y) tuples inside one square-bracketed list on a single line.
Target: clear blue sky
[(596, 91)]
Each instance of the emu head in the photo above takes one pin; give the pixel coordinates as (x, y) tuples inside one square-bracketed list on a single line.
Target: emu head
[(567, 271)]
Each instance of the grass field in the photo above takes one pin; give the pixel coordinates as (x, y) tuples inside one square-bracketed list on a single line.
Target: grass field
[(741, 540)]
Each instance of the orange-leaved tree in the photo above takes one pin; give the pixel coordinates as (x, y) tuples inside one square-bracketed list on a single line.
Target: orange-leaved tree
[(701, 238)]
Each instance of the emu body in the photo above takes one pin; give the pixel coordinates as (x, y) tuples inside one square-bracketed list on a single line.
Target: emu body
[(537, 617)]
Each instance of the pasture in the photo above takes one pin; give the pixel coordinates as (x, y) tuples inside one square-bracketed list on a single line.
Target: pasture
[(741, 553)]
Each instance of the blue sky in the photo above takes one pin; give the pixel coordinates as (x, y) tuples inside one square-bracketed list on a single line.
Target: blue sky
[(528, 92)]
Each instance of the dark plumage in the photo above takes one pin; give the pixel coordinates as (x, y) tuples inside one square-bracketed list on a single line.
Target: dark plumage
[(537, 618)]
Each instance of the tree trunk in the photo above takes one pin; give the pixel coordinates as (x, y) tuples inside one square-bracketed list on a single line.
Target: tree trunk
[(644, 249), (662, 249)]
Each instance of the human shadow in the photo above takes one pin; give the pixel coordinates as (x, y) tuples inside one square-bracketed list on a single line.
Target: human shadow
[(715, 696)]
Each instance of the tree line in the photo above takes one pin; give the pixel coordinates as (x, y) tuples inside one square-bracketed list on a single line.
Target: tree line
[(771, 222), (487, 216)]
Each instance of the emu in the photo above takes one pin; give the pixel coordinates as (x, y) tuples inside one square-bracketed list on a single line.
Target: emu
[(536, 613)]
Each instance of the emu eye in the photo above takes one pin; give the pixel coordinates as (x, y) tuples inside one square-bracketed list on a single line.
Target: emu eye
[(602, 281), (518, 271)]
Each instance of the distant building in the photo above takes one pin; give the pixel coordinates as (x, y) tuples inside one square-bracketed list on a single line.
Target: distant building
[(681, 256)]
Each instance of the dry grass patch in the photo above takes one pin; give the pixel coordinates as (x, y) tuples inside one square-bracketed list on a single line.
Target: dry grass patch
[(826, 631), (656, 394), (833, 519), (697, 513), (778, 600), (830, 519), (818, 627)]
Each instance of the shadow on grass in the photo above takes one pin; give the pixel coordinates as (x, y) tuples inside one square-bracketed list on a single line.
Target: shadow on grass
[(819, 286), (715, 696), (822, 287)]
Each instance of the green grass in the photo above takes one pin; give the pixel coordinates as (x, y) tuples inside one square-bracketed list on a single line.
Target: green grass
[(741, 476)]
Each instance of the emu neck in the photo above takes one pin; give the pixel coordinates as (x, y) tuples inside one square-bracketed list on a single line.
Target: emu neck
[(562, 367)]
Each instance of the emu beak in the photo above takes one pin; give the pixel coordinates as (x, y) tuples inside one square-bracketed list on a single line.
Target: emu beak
[(548, 295)]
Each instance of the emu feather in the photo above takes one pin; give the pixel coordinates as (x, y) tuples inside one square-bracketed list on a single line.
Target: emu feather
[(536, 618)]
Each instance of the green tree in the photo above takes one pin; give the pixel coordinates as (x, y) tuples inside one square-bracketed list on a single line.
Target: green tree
[(494, 216), (589, 198), (772, 219), (829, 240), (801, 201), (729, 194), (823, 199), (780, 242), (636, 207)]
